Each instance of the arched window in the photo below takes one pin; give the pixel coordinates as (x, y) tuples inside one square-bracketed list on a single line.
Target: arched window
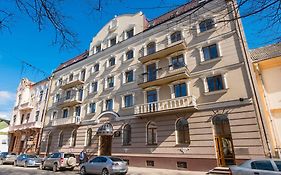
[(206, 25), (151, 48), (89, 137), (60, 139), (176, 36), (127, 134), (73, 138), (151, 133), (182, 131)]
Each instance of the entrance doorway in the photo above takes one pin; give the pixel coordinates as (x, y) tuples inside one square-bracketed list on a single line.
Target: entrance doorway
[(105, 133), (223, 141)]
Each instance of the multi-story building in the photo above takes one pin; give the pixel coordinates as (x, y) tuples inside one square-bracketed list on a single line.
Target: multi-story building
[(27, 117), (173, 92), (267, 68)]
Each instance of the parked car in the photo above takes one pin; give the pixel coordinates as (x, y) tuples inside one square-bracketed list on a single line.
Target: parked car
[(58, 161), (6, 157), (104, 165), (258, 167), (27, 160)]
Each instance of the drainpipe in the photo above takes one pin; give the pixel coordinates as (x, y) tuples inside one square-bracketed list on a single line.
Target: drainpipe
[(44, 114), (268, 108), (244, 50)]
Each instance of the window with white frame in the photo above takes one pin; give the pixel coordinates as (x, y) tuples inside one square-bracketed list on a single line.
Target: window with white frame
[(210, 52), (113, 41), (94, 87), (27, 118), (111, 61), (127, 135), (180, 90), (92, 107), (110, 82), (73, 138), (60, 139), (77, 111), (57, 98), (151, 48), (60, 82), (37, 116), (109, 105), (129, 54), (128, 100), (206, 25), (68, 94), (182, 132), (215, 83), (54, 115), (65, 113), (14, 119), (176, 36), (130, 33), (96, 67), (70, 77), (178, 61), (98, 48), (151, 132), (129, 76)]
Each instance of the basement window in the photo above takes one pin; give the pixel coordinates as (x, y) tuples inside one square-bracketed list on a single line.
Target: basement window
[(150, 163), (181, 165)]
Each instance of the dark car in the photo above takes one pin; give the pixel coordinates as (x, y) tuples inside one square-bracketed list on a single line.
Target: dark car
[(6, 157)]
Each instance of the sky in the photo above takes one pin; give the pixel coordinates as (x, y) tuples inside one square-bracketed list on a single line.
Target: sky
[(24, 42)]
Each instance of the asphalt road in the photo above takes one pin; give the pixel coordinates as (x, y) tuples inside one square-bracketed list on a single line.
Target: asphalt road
[(12, 170)]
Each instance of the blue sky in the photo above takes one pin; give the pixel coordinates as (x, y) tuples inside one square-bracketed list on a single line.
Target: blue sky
[(26, 43)]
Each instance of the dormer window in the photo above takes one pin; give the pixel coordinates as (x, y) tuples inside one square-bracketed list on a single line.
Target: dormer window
[(151, 48), (113, 41), (176, 36), (98, 48), (130, 33), (111, 61), (129, 54), (206, 25)]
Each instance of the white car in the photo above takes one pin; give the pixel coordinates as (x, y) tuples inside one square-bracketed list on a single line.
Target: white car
[(258, 167)]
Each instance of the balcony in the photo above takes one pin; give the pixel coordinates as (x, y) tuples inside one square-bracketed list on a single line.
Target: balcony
[(66, 121), (72, 82), (163, 76), (169, 49), (25, 106), (24, 126), (71, 100), (187, 102)]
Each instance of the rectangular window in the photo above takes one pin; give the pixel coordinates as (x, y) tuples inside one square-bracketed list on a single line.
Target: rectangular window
[(94, 87), (130, 54), (65, 113), (37, 116), (206, 25), (130, 33), (151, 72), (77, 111), (178, 61), (112, 61), (128, 100), (180, 90), (113, 41), (96, 68), (151, 96), (215, 83), (41, 96), (60, 82), (210, 52), (57, 98), (129, 76), (27, 117), (98, 48), (54, 116), (110, 82), (109, 105), (150, 163), (68, 95), (70, 78), (92, 107), (181, 164)]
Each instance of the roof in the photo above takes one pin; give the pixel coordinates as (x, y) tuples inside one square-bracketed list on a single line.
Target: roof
[(173, 13), (74, 60), (267, 52)]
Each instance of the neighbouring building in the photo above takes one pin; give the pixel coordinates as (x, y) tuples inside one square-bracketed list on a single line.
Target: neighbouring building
[(4, 140), (27, 117), (267, 68), (173, 92)]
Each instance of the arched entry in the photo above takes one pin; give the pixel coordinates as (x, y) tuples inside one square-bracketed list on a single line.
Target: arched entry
[(105, 132), (223, 140)]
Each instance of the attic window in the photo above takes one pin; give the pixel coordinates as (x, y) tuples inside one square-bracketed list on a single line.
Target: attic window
[(130, 33), (98, 48)]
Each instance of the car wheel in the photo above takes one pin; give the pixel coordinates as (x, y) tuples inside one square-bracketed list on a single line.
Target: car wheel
[(105, 172), (83, 171), (55, 167), (41, 167)]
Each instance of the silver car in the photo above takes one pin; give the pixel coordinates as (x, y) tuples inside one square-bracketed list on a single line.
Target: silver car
[(28, 160), (258, 167), (58, 161), (104, 165), (6, 157)]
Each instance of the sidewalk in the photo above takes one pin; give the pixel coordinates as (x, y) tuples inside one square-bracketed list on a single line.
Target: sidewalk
[(155, 171)]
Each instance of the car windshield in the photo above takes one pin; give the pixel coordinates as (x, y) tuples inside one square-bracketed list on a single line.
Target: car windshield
[(116, 159), (31, 156), (69, 155)]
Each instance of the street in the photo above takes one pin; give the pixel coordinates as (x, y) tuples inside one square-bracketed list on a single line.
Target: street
[(12, 170)]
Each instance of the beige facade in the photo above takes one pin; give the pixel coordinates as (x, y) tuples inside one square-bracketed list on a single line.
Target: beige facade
[(28, 115), (175, 91), (267, 66)]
